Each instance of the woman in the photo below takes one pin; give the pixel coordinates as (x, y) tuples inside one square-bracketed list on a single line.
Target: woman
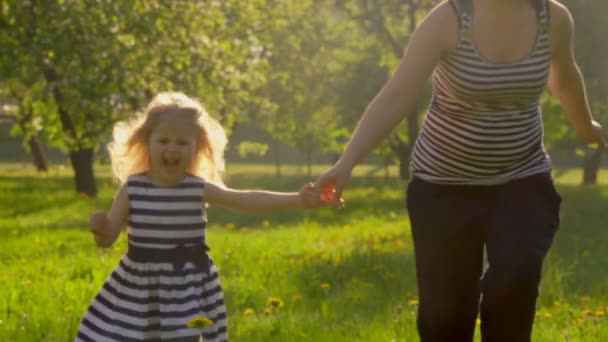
[(481, 175)]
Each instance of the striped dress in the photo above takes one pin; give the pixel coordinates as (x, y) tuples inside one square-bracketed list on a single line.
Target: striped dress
[(154, 300), (484, 124)]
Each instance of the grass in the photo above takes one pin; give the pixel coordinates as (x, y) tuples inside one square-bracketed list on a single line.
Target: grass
[(339, 275)]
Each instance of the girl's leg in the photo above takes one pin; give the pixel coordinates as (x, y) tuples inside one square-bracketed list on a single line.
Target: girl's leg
[(520, 232), (448, 246)]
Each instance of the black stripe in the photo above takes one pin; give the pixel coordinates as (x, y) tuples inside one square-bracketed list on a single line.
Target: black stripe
[(148, 185), (172, 227), (168, 212), (163, 241), (149, 198)]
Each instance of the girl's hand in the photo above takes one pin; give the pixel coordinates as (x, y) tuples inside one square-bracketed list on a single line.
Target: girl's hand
[(100, 224)]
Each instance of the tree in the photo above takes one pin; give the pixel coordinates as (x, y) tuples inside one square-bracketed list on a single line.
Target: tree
[(392, 22), (97, 62)]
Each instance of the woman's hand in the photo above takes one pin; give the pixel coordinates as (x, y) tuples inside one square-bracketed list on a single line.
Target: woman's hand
[(331, 184), (596, 135)]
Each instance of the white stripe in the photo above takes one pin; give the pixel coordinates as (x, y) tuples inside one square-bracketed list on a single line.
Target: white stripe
[(166, 205), (167, 219), (164, 234), (172, 192)]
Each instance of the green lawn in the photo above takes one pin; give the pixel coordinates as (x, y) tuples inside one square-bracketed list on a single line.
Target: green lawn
[(341, 275)]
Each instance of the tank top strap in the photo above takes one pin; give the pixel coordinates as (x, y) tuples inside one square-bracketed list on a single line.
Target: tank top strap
[(463, 9), (542, 12)]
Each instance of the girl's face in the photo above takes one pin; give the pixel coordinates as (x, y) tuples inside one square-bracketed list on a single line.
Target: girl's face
[(172, 148)]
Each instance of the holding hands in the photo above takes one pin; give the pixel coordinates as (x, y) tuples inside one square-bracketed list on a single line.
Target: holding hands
[(313, 196)]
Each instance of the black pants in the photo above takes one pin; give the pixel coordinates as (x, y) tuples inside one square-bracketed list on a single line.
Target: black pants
[(451, 224)]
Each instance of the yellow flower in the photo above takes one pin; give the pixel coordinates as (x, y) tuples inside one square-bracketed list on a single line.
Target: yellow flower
[(600, 313), (547, 315), (413, 302), (248, 312), (268, 311), (325, 285), (265, 223), (199, 322), (275, 302)]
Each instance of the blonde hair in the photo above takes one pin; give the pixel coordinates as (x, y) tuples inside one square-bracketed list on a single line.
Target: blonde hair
[(129, 148)]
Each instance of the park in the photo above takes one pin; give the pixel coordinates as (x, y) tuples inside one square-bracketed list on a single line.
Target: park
[(288, 80)]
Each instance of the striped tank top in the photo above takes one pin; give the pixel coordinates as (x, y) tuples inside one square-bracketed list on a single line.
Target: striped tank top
[(484, 124)]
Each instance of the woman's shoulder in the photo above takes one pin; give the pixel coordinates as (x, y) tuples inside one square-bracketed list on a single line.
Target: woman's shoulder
[(443, 24), (559, 13), (561, 25)]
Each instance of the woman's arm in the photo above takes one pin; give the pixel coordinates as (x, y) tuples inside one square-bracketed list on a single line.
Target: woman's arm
[(565, 79), (259, 201), (106, 226), (438, 32)]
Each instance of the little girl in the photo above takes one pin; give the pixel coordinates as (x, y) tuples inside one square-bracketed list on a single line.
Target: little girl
[(169, 160)]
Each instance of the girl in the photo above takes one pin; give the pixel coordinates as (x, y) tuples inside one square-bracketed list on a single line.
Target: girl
[(166, 159)]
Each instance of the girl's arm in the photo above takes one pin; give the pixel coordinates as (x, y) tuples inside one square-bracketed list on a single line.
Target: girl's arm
[(259, 201), (106, 226), (565, 78)]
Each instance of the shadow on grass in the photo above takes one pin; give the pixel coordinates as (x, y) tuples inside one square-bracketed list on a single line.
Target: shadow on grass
[(377, 276)]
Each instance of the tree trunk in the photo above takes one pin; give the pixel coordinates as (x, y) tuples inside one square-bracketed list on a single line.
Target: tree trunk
[(309, 163), (404, 149), (591, 165), (38, 156), (277, 159), (82, 164)]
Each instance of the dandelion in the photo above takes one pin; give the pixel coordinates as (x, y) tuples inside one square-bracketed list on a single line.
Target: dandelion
[(275, 302), (600, 313), (199, 323), (248, 312), (268, 311), (325, 285), (547, 315), (413, 302)]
